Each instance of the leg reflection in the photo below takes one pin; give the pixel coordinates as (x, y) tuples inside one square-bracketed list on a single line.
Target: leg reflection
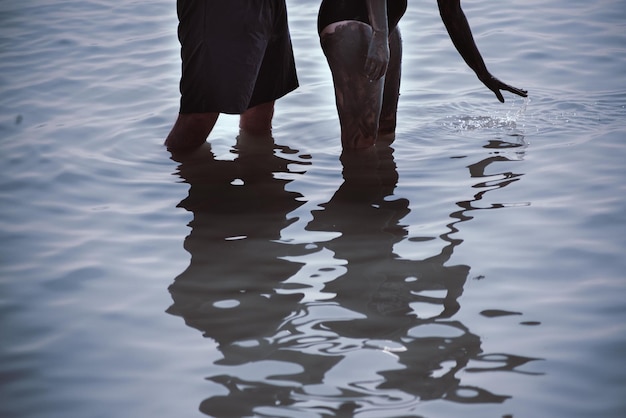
[(283, 354), (385, 289), (231, 289)]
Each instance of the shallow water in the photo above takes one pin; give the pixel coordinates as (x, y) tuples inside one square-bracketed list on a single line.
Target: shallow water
[(474, 268)]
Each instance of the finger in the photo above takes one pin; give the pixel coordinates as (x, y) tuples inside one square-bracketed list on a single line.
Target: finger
[(372, 74), (370, 69), (498, 95), (519, 92), (375, 76), (368, 65), (515, 90), (382, 69), (375, 71)]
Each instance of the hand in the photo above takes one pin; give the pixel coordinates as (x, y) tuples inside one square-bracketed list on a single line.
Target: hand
[(496, 85), (377, 56)]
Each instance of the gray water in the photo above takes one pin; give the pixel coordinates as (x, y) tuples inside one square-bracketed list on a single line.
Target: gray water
[(475, 268)]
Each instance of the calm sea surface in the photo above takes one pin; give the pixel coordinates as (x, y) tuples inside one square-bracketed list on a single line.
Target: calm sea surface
[(475, 268)]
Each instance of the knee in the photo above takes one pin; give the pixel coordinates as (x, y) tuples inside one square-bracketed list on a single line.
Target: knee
[(257, 119)]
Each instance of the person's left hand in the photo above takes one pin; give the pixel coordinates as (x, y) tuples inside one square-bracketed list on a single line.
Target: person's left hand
[(377, 56), (496, 85)]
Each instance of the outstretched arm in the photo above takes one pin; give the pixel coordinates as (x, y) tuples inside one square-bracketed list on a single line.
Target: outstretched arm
[(461, 35), (378, 53)]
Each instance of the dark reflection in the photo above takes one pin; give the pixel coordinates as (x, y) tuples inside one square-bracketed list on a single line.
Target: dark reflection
[(383, 287), (229, 291), (239, 210), (234, 289)]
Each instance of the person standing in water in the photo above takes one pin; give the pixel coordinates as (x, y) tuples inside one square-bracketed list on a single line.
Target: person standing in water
[(237, 58), (363, 46)]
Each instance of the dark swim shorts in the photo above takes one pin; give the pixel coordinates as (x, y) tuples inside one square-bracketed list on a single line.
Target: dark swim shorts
[(332, 11), (236, 54)]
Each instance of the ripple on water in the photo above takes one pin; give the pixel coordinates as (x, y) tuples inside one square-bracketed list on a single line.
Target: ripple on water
[(506, 217)]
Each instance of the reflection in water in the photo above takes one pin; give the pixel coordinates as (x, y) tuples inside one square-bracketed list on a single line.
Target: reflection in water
[(283, 352)]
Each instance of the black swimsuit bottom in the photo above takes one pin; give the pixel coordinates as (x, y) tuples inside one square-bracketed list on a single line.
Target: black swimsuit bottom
[(332, 11)]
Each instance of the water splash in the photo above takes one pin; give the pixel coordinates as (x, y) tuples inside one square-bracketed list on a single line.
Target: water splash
[(509, 121)]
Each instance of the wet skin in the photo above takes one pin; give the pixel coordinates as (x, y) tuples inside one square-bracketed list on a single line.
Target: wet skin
[(365, 61), (366, 101), (191, 130)]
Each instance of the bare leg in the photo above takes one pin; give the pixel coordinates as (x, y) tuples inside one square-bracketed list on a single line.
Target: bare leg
[(258, 119), (190, 131), (359, 101), (391, 94)]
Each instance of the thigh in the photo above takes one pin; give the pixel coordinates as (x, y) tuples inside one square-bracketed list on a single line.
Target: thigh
[(359, 101)]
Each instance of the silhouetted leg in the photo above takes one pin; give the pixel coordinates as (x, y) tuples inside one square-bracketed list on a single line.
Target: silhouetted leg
[(190, 131), (391, 94), (359, 101), (258, 119)]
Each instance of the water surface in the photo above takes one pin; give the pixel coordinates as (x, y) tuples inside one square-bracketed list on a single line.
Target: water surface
[(472, 268)]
